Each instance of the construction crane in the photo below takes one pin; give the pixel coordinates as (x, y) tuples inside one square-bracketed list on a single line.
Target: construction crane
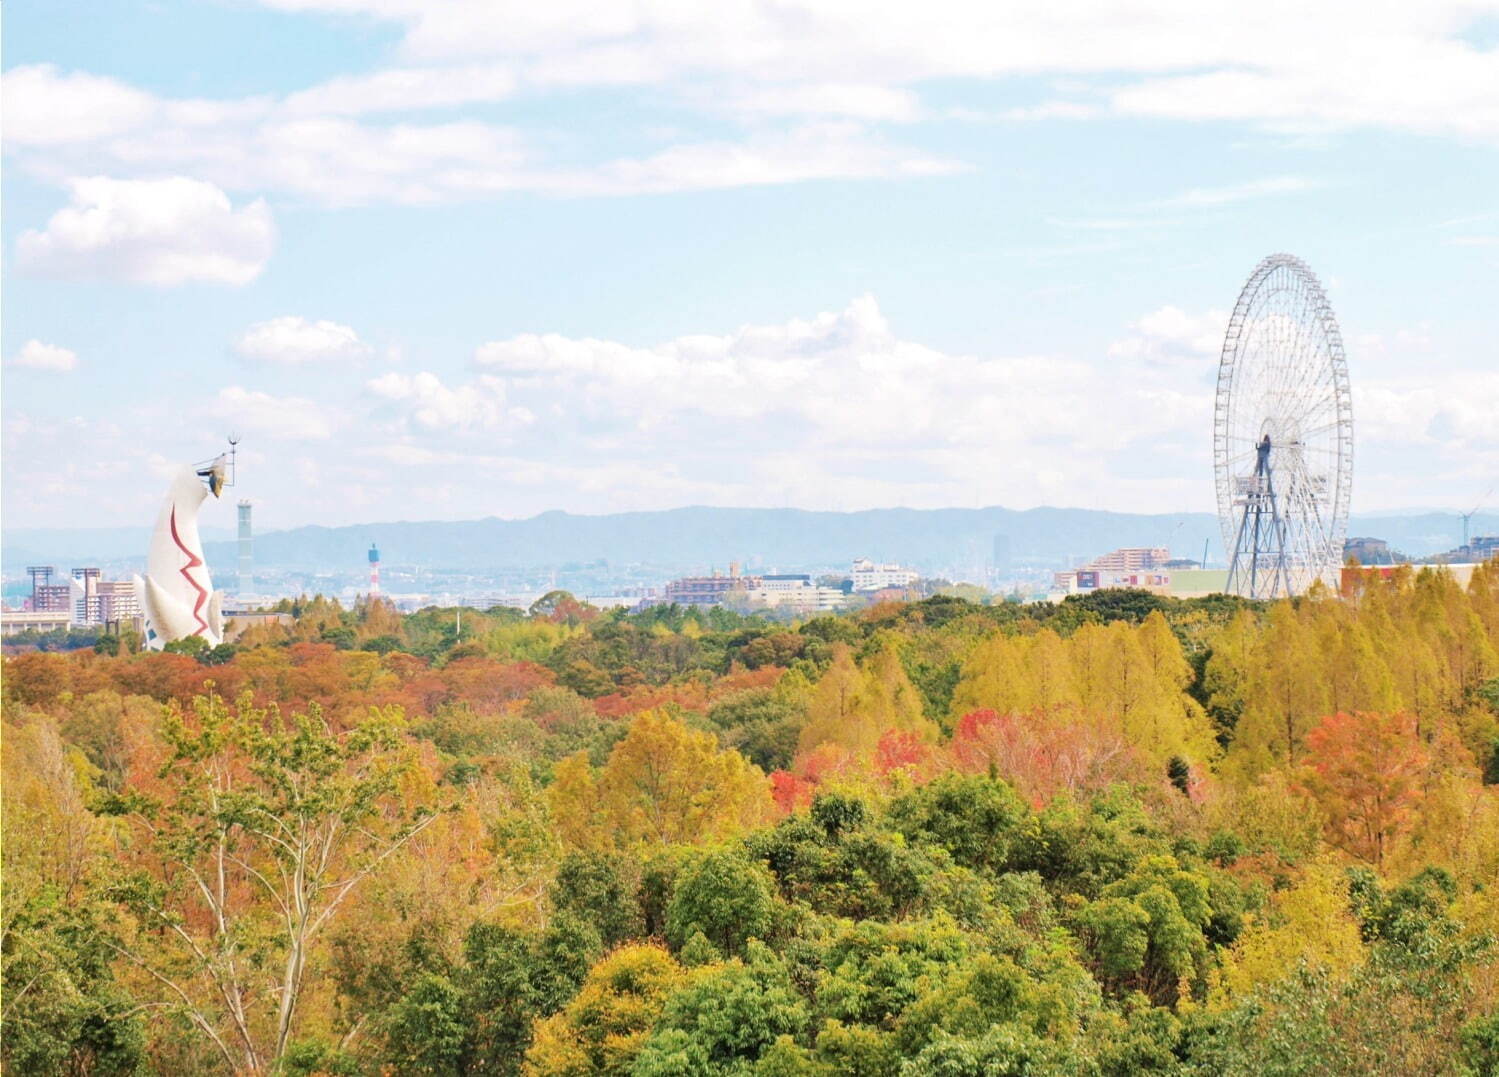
[(1467, 516)]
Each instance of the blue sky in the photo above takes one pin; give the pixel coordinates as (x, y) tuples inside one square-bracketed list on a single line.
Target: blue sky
[(445, 260)]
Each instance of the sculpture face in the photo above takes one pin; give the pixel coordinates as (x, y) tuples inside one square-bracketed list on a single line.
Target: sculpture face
[(177, 595)]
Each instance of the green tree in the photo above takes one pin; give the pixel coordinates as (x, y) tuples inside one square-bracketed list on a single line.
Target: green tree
[(975, 818), (724, 895), (725, 1017)]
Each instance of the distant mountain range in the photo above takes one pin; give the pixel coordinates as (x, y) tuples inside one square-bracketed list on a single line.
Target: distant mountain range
[(697, 538)]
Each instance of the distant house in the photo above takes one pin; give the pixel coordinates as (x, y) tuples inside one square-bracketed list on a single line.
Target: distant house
[(1368, 551)]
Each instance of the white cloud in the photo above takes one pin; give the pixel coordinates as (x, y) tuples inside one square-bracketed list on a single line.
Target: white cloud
[(43, 107), (781, 71), (293, 340), (162, 232), (840, 382), (424, 403), (832, 150), (1240, 192), (835, 410), (406, 89), (34, 355), (290, 417), (314, 145), (852, 101), (1171, 336), (1427, 80), (1402, 66)]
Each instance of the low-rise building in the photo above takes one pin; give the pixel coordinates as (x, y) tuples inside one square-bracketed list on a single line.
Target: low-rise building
[(1368, 551), (797, 592), (1131, 559), (815, 600), (15, 621), (869, 576), (707, 590)]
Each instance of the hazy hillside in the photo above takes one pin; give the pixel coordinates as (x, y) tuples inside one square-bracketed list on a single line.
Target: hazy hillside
[(701, 537)]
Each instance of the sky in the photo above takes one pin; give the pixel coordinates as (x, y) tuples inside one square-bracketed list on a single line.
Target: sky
[(445, 260)]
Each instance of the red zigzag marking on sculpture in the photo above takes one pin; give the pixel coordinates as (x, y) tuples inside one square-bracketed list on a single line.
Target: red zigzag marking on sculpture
[(193, 561)]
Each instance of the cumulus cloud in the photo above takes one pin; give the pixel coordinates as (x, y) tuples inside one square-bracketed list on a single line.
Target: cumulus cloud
[(34, 355), (834, 410), (162, 232), (274, 417), (837, 402), (423, 403), (43, 106), (293, 340), (1172, 337)]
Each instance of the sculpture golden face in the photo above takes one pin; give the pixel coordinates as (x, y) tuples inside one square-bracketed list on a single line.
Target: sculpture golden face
[(213, 475)]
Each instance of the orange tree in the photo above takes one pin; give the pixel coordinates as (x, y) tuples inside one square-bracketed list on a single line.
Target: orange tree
[(1364, 771), (253, 834)]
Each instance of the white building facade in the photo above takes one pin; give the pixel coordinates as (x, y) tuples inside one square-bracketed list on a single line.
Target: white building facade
[(869, 576)]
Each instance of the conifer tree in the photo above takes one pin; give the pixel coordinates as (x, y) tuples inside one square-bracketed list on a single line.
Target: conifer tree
[(1287, 694), (995, 678)]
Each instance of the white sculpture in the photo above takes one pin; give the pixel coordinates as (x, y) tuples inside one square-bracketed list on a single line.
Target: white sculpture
[(176, 596)]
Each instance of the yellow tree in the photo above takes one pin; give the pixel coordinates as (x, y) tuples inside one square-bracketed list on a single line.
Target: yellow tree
[(573, 798), (1226, 675), (1094, 664), (1136, 677), (1483, 596), (1356, 675), (1310, 923), (378, 617), (667, 784), (853, 706), (835, 707), (1171, 722), (603, 1029), (891, 699), (1285, 696), (1050, 672), (995, 677)]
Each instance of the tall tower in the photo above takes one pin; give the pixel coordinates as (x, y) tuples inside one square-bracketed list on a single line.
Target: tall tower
[(374, 570), (246, 551), (41, 576)]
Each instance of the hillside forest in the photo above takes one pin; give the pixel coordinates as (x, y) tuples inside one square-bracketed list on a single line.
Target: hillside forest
[(1121, 834)]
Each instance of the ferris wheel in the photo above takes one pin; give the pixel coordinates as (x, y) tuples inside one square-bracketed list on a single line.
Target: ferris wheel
[(1282, 434)]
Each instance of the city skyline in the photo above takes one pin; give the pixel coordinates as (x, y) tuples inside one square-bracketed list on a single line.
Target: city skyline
[(445, 263)]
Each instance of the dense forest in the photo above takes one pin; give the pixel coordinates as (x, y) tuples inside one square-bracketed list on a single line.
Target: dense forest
[(1122, 834)]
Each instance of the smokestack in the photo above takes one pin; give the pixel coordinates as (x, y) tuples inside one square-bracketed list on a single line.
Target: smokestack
[(374, 570), (246, 578)]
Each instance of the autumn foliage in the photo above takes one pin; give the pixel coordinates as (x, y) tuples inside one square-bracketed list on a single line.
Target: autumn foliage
[(1119, 834)]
